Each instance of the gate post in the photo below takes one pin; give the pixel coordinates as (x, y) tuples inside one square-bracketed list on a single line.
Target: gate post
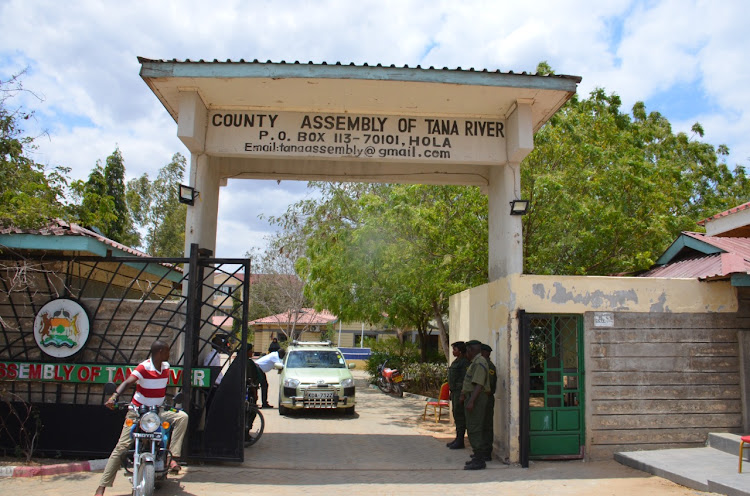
[(192, 326)]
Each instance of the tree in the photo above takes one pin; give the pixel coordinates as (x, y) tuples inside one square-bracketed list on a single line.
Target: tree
[(121, 228), (101, 203), (395, 253), (156, 208), (30, 195), (92, 206), (275, 288), (609, 192)]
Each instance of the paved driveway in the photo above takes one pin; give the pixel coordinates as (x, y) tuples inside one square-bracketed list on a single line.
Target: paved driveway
[(384, 449)]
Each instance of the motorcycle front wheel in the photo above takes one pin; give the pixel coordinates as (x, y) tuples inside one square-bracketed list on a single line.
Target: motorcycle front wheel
[(145, 483), (383, 385)]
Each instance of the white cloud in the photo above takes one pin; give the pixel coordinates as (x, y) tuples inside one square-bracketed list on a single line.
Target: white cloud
[(82, 59)]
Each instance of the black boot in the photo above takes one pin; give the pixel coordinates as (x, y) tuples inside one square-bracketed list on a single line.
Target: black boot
[(475, 464), (457, 444)]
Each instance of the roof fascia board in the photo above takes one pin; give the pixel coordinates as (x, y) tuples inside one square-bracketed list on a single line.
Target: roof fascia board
[(56, 243), (161, 69), (685, 241), (79, 244)]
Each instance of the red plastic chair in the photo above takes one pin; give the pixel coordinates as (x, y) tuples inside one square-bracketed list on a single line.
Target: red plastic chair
[(437, 405), (743, 440)]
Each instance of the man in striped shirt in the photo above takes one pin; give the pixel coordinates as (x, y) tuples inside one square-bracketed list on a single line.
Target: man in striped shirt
[(150, 378)]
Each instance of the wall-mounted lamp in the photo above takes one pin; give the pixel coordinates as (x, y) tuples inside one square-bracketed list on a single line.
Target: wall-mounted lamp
[(187, 194), (519, 207)]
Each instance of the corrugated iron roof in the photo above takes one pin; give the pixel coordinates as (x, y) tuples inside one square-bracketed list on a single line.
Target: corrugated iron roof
[(142, 60), (731, 211), (710, 266), (733, 259), (739, 246), (306, 316)]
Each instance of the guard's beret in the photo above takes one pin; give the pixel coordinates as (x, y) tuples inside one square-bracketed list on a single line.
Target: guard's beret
[(486, 347), (473, 342)]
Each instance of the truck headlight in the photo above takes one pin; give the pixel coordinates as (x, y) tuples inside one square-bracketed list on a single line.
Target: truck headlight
[(347, 383), (150, 422), (291, 383)]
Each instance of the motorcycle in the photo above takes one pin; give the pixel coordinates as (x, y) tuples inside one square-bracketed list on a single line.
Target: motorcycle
[(147, 464), (390, 381)]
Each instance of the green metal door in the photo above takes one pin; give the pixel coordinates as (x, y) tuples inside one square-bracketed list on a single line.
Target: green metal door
[(555, 386)]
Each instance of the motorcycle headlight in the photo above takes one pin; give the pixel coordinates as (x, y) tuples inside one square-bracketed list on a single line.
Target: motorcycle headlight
[(150, 422), (291, 383), (347, 383)]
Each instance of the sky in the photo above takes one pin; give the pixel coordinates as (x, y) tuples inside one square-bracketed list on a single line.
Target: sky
[(686, 59)]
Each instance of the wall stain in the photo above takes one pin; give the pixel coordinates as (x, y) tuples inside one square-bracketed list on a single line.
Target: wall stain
[(659, 306), (617, 300)]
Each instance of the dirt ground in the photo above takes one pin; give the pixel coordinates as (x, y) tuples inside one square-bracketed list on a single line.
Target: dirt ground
[(386, 448)]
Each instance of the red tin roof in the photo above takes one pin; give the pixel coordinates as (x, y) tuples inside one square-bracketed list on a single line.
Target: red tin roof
[(731, 211), (734, 258), (306, 316)]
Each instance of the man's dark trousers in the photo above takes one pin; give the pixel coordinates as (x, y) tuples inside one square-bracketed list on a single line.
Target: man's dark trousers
[(475, 425)]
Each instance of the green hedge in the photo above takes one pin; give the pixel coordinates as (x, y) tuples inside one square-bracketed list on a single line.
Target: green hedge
[(421, 378)]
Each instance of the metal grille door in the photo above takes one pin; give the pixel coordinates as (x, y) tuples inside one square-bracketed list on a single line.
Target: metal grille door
[(553, 384)]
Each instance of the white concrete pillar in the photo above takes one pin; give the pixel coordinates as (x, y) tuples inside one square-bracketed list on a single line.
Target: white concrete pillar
[(505, 234), (192, 124), (505, 237), (201, 220)]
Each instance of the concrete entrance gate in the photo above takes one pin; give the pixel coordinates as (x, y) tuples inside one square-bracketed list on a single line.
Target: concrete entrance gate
[(352, 123)]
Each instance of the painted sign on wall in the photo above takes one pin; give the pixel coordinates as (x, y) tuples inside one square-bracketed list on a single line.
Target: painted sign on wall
[(88, 373), (356, 137)]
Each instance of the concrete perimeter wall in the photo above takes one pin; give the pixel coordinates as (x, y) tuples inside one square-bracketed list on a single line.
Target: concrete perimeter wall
[(640, 373)]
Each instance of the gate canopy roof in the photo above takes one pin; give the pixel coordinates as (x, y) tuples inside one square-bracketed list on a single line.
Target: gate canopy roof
[(265, 120), (356, 89)]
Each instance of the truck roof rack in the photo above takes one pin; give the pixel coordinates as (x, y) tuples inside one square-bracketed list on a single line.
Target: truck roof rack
[(311, 343)]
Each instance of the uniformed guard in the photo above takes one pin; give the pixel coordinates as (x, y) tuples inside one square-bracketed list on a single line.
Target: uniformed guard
[(489, 419), (456, 373), (474, 396)]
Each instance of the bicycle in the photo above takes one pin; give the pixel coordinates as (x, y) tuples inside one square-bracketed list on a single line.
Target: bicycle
[(254, 421)]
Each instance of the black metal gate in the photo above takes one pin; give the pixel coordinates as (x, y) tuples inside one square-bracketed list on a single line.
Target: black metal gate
[(129, 303)]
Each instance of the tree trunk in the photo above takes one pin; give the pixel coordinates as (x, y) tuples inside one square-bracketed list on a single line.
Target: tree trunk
[(422, 333), (442, 331)]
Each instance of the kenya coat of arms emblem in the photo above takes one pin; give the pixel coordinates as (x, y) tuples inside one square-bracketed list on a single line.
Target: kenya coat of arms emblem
[(61, 328)]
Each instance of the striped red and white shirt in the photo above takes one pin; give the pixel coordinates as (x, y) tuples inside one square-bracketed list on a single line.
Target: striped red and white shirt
[(151, 387)]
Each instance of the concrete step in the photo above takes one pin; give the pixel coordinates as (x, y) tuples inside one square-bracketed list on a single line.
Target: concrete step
[(703, 469), (728, 443)]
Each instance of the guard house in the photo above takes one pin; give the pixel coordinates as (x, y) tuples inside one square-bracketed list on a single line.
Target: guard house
[(334, 122)]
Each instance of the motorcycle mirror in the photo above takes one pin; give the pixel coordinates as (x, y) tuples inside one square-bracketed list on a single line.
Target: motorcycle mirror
[(109, 388)]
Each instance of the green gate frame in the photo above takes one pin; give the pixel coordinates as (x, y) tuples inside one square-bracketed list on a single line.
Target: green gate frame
[(555, 423)]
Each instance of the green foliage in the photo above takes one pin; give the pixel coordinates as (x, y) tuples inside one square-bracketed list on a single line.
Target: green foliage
[(426, 378), (392, 253), (609, 192), (156, 208), (30, 195), (101, 203), (399, 355)]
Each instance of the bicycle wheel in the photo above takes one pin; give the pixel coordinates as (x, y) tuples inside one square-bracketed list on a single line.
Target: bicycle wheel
[(254, 424)]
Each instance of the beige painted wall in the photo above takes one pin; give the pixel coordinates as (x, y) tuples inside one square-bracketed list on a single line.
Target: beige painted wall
[(489, 313)]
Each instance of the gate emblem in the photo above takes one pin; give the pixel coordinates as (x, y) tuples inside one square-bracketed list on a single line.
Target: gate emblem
[(61, 328)]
